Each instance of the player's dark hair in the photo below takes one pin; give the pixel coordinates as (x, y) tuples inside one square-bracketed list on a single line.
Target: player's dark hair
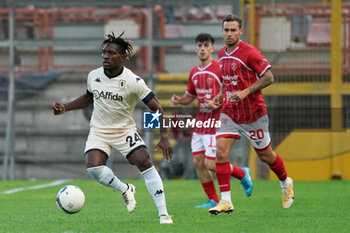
[(202, 37), (125, 46), (232, 18)]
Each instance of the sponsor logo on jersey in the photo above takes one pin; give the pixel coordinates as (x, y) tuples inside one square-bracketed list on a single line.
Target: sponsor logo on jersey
[(230, 78), (98, 80), (233, 79), (258, 142), (203, 107), (204, 91), (107, 95)]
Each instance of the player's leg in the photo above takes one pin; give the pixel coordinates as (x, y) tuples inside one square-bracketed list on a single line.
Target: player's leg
[(242, 174), (258, 134), (223, 174), (230, 129), (198, 147), (207, 180), (95, 161), (276, 164), (141, 159)]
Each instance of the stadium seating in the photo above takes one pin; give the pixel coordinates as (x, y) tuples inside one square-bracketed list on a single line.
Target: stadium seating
[(319, 34)]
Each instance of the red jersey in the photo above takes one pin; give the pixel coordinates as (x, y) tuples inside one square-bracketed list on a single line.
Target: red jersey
[(205, 83), (240, 69)]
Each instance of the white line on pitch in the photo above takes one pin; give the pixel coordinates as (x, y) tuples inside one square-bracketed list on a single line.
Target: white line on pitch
[(40, 186)]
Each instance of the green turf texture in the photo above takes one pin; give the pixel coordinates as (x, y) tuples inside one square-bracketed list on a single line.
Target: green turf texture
[(321, 206)]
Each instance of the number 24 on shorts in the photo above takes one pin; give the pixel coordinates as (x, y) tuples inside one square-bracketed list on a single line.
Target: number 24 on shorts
[(132, 141)]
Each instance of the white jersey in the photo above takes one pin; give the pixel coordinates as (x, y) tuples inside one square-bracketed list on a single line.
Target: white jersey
[(115, 99)]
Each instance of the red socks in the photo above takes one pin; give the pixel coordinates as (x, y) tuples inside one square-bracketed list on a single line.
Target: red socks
[(237, 172), (209, 189), (278, 168), (223, 175)]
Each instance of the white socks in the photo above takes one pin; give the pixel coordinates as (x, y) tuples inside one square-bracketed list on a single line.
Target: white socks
[(226, 196), (154, 185), (285, 183), (105, 176)]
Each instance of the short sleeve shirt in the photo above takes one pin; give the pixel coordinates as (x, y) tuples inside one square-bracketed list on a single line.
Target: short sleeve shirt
[(205, 83), (241, 68), (115, 99)]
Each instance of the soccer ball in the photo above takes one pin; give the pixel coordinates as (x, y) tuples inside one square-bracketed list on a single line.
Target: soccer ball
[(70, 199)]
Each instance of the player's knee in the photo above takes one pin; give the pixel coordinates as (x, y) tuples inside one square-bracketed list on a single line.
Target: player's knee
[(144, 164), (266, 156), (95, 158), (198, 161), (141, 161), (221, 153)]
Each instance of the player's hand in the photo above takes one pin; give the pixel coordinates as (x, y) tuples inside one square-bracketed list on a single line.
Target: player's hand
[(218, 99), (212, 105), (239, 95), (175, 100), (58, 108), (166, 147)]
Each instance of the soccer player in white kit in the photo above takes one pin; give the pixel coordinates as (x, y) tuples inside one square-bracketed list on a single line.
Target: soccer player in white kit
[(204, 83), (114, 91), (245, 72)]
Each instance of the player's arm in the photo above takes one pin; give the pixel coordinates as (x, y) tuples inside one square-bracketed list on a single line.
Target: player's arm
[(153, 104), (265, 80), (79, 103), (183, 100)]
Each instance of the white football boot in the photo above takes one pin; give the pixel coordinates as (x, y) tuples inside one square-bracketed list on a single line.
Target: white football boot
[(165, 219), (129, 198)]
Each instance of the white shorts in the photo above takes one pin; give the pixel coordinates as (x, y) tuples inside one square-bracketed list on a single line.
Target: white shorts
[(126, 142), (256, 132), (204, 143)]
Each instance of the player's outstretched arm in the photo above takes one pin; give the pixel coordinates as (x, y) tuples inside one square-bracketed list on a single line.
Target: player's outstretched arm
[(164, 142), (79, 103)]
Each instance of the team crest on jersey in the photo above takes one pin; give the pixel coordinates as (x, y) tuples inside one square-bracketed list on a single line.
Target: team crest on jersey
[(209, 81), (195, 82), (234, 66), (121, 84)]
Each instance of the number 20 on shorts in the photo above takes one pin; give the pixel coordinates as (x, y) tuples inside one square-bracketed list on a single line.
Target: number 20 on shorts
[(256, 135)]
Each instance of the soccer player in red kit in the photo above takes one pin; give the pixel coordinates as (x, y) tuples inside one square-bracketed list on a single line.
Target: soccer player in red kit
[(204, 83), (243, 112)]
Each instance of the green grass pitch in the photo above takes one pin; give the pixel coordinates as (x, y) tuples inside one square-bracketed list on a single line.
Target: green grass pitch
[(319, 207)]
